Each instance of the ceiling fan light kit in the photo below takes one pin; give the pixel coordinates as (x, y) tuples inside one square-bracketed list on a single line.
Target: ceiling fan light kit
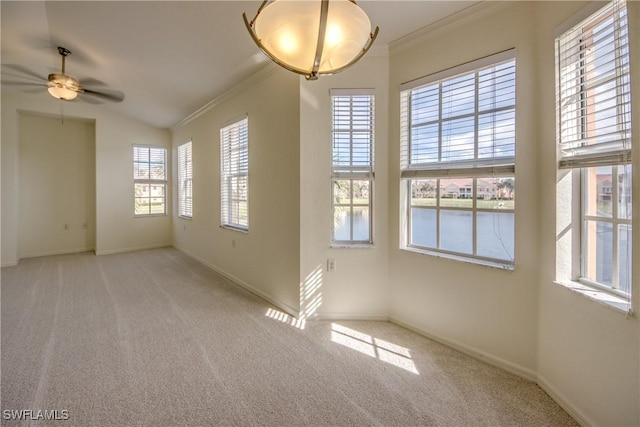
[(312, 38), (60, 85), (63, 87)]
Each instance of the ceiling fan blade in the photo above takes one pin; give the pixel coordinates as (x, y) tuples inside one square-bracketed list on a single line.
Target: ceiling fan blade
[(90, 82), (14, 83), (24, 72), (106, 94), (25, 87)]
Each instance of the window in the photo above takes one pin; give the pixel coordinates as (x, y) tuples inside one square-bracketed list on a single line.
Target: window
[(458, 162), (185, 180), (594, 143), (352, 175), (234, 168), (150, 180)]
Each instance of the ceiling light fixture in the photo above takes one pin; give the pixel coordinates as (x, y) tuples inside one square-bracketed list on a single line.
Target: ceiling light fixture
[(312, 38), (62, 86)]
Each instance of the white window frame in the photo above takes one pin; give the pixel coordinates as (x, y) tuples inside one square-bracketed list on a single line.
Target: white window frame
[(234, 171), (478, 168), (148, 181), (586, 142), (185, 180), (351, 171), (615, 221)]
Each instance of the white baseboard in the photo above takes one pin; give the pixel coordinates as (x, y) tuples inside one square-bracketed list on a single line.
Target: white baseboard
[(563, 402), (56, 252), (279, 304), (9, 264), (133, 249), (518, 370)]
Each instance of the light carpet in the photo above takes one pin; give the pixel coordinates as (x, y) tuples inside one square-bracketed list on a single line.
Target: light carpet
[(155, 338)]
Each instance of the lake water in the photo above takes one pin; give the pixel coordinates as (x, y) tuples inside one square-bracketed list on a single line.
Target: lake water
[(495, 230), (495, 237)]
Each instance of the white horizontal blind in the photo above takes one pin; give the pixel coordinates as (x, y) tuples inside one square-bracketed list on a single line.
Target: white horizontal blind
[(150, 180), (352, 133), (352, 169), (458, 146), (234, 159), (593, 90), (462, 125), (185, 180)]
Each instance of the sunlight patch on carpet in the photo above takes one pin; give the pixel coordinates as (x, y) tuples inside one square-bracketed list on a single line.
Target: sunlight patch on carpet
[(373, 347), (285, 318)]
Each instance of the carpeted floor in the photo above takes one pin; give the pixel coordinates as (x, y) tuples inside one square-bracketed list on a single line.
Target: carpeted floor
[(154, 338)]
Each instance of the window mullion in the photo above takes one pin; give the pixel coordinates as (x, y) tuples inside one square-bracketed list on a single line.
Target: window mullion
[(474, 216), (351, 137), (438, 245), (439, 125), (351, 212), (614, 214)]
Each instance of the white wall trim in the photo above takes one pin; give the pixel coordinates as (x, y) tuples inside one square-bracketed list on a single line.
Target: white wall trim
[(278, 304), (564, 403), (56, 252), (9, 264), (458, 19), (133, 249), (498, 362), (261, 74)]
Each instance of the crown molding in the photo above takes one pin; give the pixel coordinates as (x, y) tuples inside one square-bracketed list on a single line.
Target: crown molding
[(458, 19), (234, 90)]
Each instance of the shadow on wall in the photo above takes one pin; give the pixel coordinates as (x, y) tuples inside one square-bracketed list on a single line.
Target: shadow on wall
[(310, 301)]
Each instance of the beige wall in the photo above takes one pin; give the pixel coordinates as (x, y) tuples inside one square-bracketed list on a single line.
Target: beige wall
[(358, 288), (116, 228), (266, 259), (583, 353), (488, 311), (57, 191), (588, 354)]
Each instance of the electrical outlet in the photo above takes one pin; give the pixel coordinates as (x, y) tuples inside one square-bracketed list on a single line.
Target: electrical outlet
[(331, 264)]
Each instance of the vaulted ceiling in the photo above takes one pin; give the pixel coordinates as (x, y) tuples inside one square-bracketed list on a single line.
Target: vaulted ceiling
[(168, 57)]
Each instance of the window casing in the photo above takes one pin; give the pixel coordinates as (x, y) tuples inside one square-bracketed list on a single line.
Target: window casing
[(458, 162), (185, 180), (149, 180), (352, 168), (594, 142), (234, 180)]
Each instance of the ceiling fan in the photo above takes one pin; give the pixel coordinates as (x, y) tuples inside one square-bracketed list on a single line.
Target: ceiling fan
[(65, 87)]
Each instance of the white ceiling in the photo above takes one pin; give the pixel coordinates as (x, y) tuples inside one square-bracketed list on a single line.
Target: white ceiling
[(169, 58)]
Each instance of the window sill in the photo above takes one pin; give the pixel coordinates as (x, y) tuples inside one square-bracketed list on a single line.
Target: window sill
[(351, 246), (238, 229), (469, 260), (602, 297), (186, 218)]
